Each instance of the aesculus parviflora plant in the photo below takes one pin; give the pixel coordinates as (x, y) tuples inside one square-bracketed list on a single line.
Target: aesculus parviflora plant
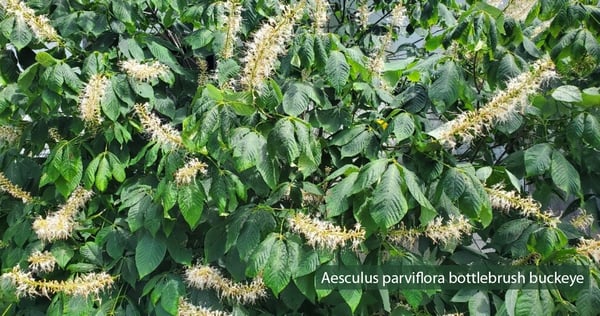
[(212, 157)]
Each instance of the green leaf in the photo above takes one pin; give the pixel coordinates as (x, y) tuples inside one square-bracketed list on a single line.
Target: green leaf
[(591, 131), (567, 93), (20, 35), (445, 89), (149, 253), (537, 159), (62, 253), (337, 70), (588, 301), (389, 205), (277, 272), (564, 175), (246, 148), (45, 59), (403, 126), (336, 200), (352, 297), (296, 98), (454, 184), (89, 177), (191, 203), (528, 303), (103, 174), (282, 137), (547, 240), (118, 170), (479, 304), (415, 190), (369, 174), (262, 254)]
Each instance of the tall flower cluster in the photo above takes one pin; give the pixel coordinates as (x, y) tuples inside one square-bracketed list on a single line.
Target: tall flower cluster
[(14, 190), (186, 308), (232, 27), (90, 100), (39, 24), (163, 134), (590, 248), (362, 14), (188, 173), (83, 285), (438, 231), (452, 230), (527, 207), (41, 262), (323, 234), (60, 224), (206, 277), (503, 105), (143, 71), (320, 15), (582, 221), (269, 42), (399, 17)]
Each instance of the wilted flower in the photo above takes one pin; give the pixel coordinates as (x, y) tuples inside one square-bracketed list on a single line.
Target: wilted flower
[(83, 285), (326, 235), (41, 262), (468, 125), (206, 277), (232, 26), (589, 248), (60, 224), (14, 190), (162, 134), (186, 308), (527, 207), (269, 42), (39, 24), (582, 220), (90, 101), (9, 134), (144, 71), (452, 230), (187, 173)]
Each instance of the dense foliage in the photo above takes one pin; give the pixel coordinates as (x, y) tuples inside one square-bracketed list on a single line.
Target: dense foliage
[(180, 156)]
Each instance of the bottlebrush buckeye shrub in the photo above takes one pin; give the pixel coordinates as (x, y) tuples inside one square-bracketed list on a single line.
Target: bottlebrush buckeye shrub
[(211, 157)]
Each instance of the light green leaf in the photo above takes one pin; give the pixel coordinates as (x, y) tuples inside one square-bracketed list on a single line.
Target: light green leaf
[(588, 301), (149, 253), (567, 93), (403, 126), (296, 98), (20, 35), (103, 175)]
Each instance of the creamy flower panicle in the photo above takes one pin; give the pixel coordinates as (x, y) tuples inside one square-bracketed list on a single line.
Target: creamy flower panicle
[(82, 285), (232, 27), (91, 99), (468, 125), (9, 134), (438, 230), (206, 277), (165, 135), (186, 308), (14, 190), (268, 43), (324, 234), (60, 224), (144, 71), (188, 173), (41, 262), (39, 24), (527, 207)]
